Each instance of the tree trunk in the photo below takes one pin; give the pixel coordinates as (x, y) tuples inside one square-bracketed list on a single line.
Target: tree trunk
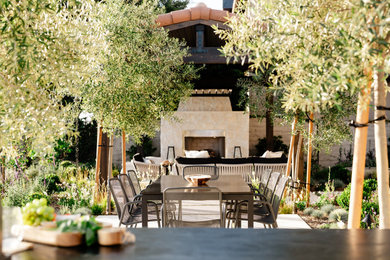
[(382, 164), (124, 152), (292, 145), (98, 158), (109, 174), (309, 153), (101, 163), (104, 162), (359, 156)]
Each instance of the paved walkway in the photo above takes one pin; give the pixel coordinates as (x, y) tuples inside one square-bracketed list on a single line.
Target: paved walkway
[(285, 221)]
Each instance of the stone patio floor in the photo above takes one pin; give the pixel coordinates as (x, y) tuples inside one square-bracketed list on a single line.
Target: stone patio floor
[(285, 221)]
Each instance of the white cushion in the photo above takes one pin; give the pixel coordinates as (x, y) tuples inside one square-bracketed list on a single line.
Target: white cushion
[(197, 154), (149, 161), (269, 154)]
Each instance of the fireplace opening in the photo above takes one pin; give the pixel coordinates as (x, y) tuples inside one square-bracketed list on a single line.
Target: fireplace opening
[(214, 145)]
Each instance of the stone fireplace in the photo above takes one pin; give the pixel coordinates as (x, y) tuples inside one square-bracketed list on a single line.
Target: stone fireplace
[(206, 123), (210, 140)]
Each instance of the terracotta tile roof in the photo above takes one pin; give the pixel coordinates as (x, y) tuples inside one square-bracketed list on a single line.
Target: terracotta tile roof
[(200, 12)]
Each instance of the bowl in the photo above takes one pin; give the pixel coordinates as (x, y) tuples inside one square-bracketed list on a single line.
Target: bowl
[(198, 180)]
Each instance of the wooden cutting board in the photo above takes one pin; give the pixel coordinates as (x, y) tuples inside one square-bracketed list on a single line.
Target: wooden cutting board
[(52, 237)]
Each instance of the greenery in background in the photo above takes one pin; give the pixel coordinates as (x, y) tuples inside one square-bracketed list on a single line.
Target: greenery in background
[(84, 141), (144, 75), (300, 205), (315, 50), (338, 174), (370, 198), (97, 209), (145, 149), (173, 5), (261, 146)]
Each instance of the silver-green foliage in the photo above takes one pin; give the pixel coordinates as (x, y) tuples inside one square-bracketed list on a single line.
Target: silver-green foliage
[(317, 213), (143, 70), (338, 214), (318, 51), (327, 208), (47, 51), (308, 211)]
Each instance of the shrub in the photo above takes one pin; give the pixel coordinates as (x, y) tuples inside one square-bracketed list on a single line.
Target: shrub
[(83, 211), (317, 213), (51, 182), (369, 197), (39, 195), (300, 205), (286, 209), (327, 208), (115, 172), (16, 195), (66, 199), (308, 211), (97, 209), (338, 184), (338, 214), (335, 172), (325, 226), (104, 203), (261, 146)]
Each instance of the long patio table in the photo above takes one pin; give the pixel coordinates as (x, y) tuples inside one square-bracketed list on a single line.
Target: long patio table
[(232, 187), (235, 244)]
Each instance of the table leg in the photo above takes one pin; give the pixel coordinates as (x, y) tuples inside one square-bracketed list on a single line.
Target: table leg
[(144, 212), (250, 212)]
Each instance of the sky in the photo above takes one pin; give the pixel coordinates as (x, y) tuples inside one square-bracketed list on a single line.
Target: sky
[(214, 4)]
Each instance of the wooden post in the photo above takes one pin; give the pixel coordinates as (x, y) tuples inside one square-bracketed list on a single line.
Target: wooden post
[(359, 156), (109, 174), (124, 152), (309, 152), (292, 143), (382, 164), (98, 158)]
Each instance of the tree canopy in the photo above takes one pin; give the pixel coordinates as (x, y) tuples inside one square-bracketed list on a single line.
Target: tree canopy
[(317, 49), (47, 52), (144, 73)]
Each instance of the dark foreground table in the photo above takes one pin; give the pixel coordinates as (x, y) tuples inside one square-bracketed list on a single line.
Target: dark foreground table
[(198, 244)]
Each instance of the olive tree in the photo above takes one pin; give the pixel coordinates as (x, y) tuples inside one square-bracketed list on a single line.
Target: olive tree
[(47, 52), (143, 73), (144, 76), (321, 52)]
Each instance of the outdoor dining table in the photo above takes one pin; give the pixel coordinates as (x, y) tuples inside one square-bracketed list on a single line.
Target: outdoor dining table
[(232, 187), (235, 244)]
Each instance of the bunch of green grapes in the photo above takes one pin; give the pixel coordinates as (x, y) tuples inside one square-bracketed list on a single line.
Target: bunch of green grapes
[(36, 212)]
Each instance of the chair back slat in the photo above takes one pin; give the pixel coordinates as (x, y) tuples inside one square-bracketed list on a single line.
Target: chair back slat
[(134, 181), (127, 186), (271, 185), (264, 178), (279, 190), (120, 197)]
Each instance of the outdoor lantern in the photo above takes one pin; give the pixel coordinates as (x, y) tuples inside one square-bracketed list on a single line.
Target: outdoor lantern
[(171, 154), (237, 152)]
